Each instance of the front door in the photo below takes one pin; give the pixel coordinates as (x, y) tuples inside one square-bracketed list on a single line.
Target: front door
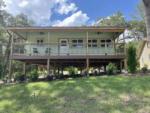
[(64, 47)]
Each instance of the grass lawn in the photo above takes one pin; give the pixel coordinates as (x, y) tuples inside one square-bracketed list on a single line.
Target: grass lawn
[(113, 94)]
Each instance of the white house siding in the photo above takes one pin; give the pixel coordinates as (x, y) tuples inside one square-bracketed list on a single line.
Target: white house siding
[(145, 56)]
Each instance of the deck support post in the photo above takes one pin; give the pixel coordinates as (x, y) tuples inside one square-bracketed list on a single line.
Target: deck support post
[(62, 70), (87, 66), (105, 69), (58, 71), (24, 68), (54, 69), (125, 52), (48, 66), (120, 66)]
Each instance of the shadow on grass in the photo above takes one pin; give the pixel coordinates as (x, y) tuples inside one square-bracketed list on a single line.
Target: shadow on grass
[(82, 95)]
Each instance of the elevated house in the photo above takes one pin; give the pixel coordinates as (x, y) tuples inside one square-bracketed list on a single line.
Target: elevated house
[(59, 47)]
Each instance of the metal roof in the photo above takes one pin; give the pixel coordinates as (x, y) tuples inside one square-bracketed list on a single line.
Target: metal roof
[(58, 29)]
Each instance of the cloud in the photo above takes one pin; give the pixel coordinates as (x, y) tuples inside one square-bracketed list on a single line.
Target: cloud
[(65, 8), (23, 3), (41, 11), (77, 19)]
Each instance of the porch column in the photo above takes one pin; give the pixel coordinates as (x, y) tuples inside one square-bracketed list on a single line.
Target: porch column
[(114, 44), (87, 47), (48, 66), (125, 52), (10, 57), (87, 53)]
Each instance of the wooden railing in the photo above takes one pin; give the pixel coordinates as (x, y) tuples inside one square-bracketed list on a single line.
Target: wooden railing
[(32, 49)]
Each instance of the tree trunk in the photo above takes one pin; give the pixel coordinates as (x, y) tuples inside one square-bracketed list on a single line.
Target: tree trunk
[(7, 54), (147, 16)]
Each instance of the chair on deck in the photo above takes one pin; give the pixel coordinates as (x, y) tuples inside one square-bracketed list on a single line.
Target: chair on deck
[(48, 51)]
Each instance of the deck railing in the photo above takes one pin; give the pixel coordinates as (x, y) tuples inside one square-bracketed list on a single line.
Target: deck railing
[(34, 49)]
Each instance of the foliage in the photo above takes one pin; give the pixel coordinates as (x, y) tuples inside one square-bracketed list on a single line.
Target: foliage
[(116, 19), (72, 70), (33, 75), (19, 77), (1, 69), (131, 58), (144, 69), (111, 69)]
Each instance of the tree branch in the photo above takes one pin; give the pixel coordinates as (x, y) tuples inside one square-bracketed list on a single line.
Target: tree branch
[(146, 2)]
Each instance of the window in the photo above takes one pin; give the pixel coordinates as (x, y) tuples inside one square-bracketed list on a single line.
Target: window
[(77, 43), (92, 43), (63, 43), (103, 43), (108, 43)]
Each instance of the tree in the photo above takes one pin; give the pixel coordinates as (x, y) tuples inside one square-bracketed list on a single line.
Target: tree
[(116, 19), (137, 24), (7, 19), (131, 58), (147, 16)]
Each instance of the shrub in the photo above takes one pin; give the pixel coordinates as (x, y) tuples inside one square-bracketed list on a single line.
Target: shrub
[(111, 69), (33, 75), (19, 77), (144, 69), (72, 70), (49, 77), (131, 58)]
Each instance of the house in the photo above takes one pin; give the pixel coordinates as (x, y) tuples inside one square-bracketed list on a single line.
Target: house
[(144, 54), (59, 47)]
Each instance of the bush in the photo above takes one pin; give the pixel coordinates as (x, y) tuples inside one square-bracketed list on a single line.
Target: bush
[(19, 77), (144, 69), (49, 77), (131, 61), (72, 71), (111, 69), (33, 75)]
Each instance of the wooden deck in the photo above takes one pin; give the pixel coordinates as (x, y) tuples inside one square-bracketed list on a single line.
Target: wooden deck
[(24, 57)]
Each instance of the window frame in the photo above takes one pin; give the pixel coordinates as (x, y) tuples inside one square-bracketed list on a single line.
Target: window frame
[(92, 44), (77, 43)]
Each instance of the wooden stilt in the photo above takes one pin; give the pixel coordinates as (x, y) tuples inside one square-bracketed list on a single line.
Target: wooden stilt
[(87, 66), (105, 68), (24, 68), (48, 66), (58, 71), (125, 64), (62, 71), (120, 66), (10, 70)]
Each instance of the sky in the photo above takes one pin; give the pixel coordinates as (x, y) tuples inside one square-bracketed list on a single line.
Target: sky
[(70, 12)]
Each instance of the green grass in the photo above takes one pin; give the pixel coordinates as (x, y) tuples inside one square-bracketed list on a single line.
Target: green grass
[(82, 95)]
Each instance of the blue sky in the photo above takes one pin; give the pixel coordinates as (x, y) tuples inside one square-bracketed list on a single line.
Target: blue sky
[(103, 8), (70, 12)]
